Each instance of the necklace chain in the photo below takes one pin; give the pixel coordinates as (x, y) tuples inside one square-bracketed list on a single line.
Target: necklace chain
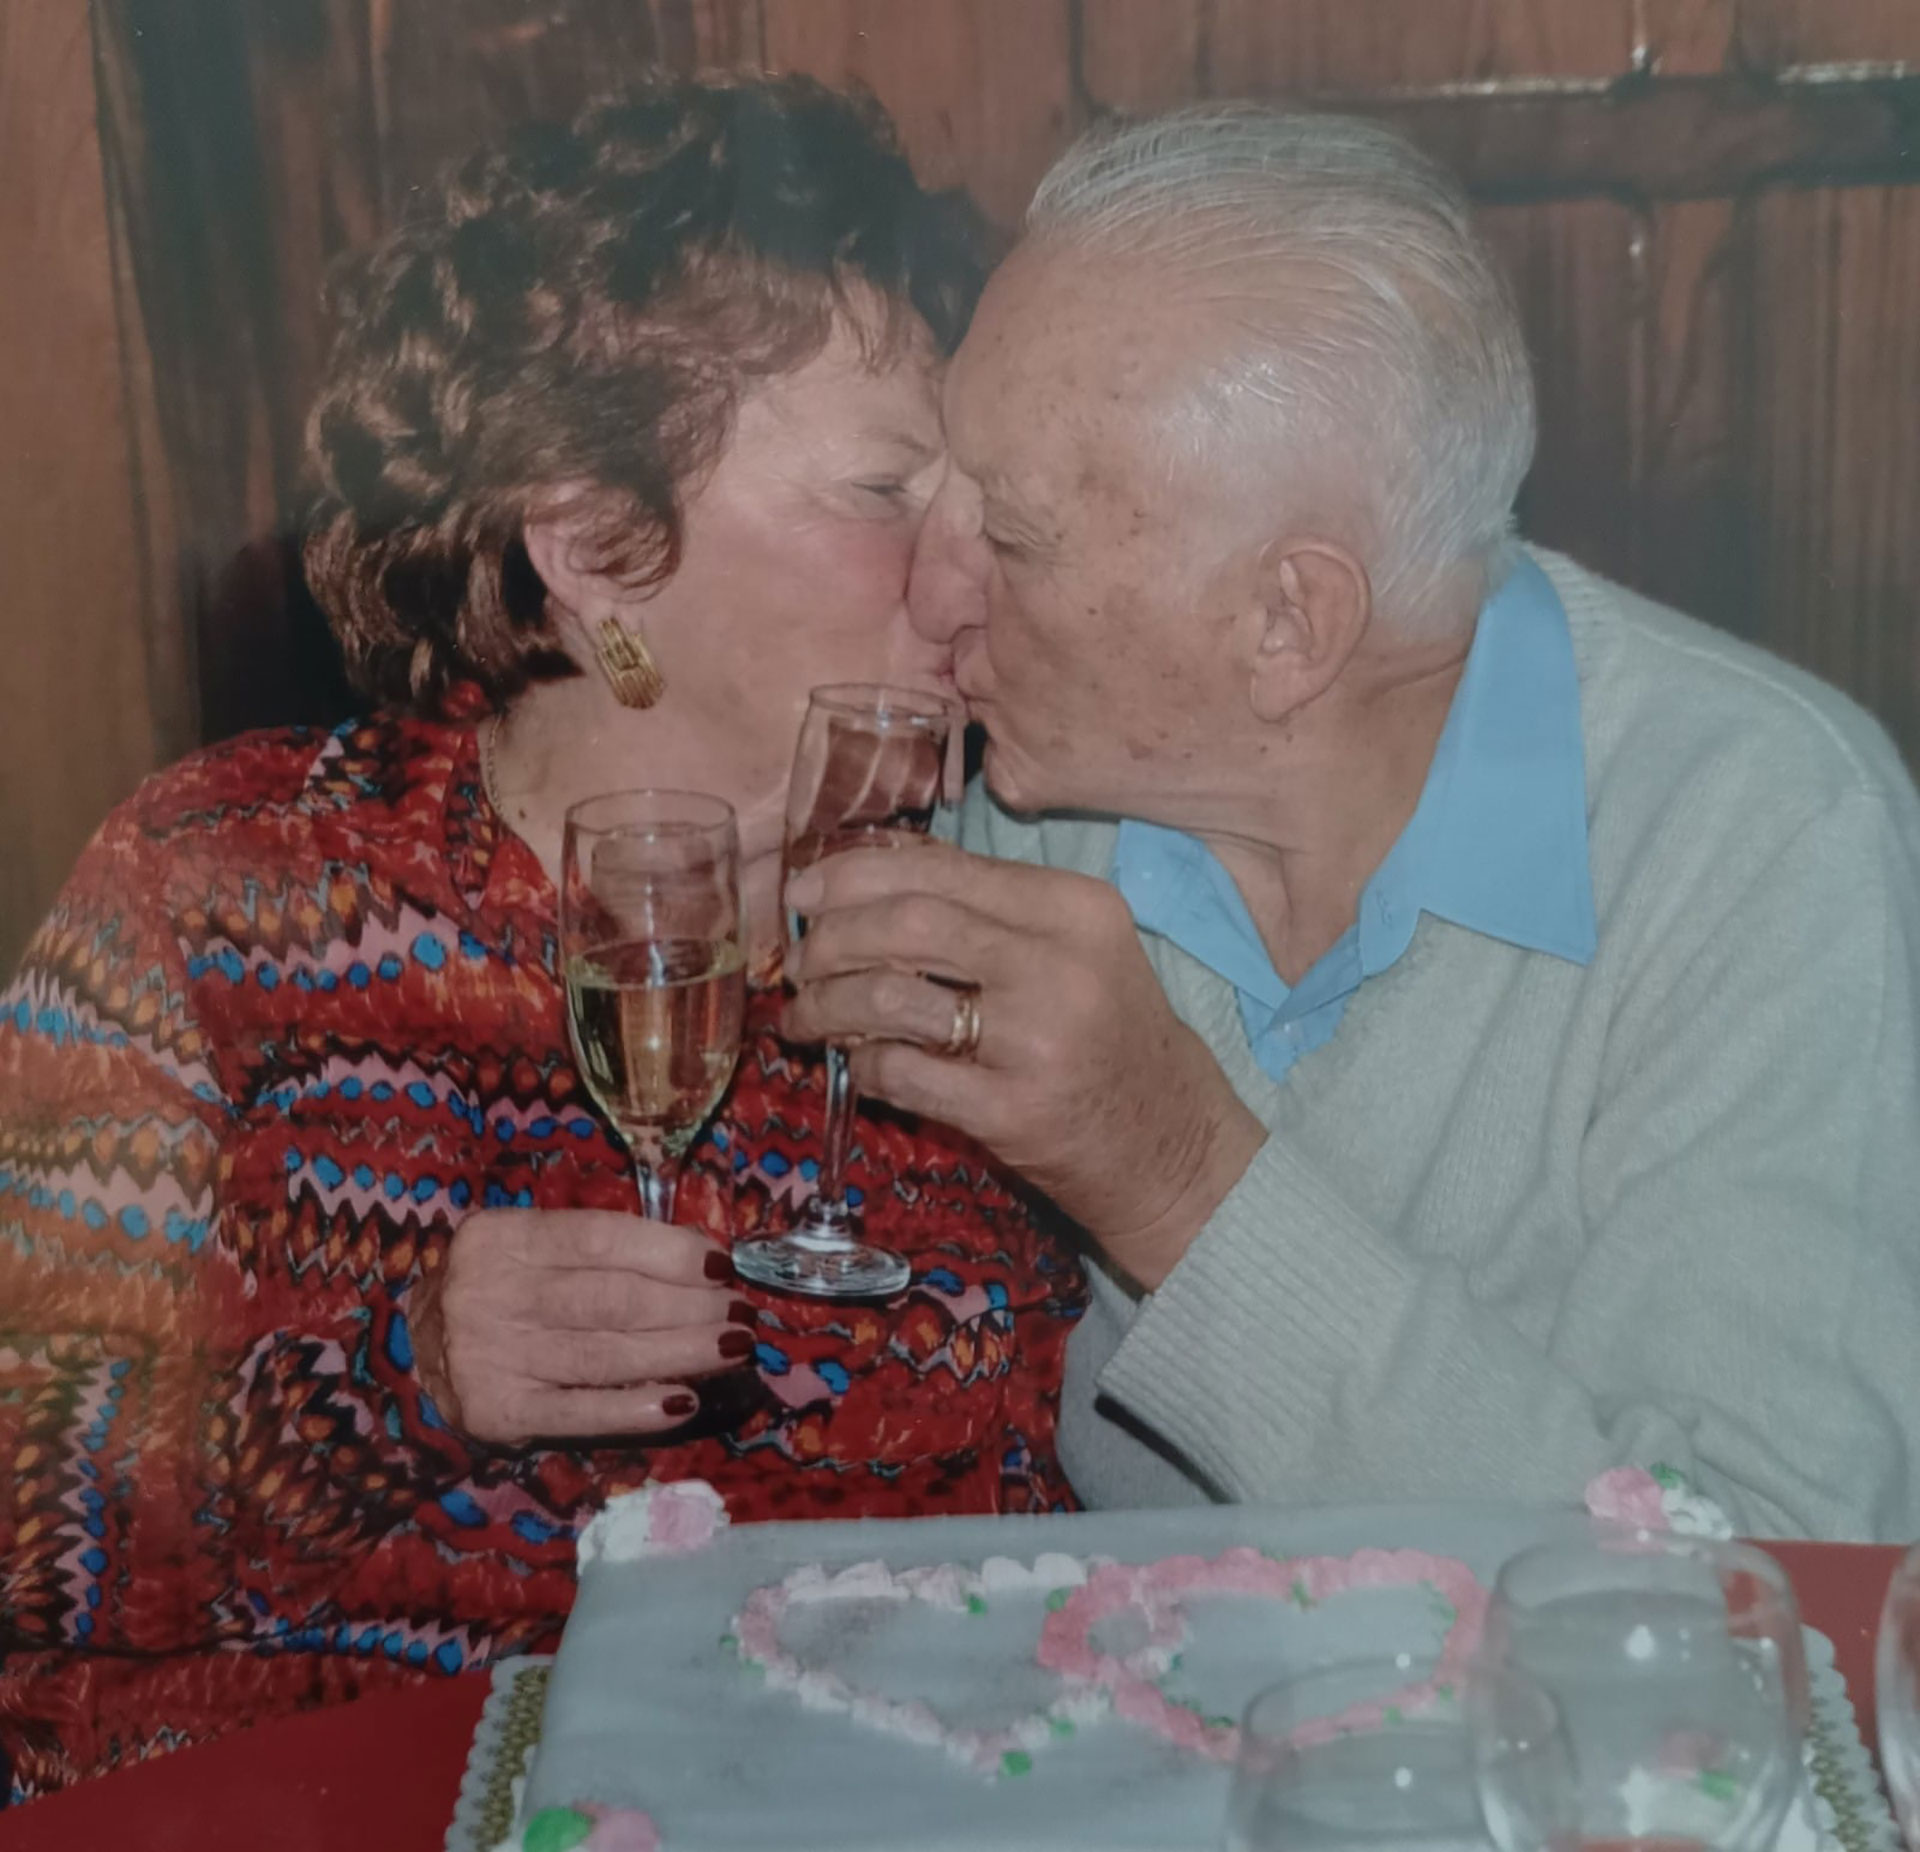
[(489, 776)]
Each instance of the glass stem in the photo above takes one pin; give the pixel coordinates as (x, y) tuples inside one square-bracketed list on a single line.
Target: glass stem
[(830, 1207), (656, 1173)]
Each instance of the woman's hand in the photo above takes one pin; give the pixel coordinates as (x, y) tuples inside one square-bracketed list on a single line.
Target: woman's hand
[(569, 1324)]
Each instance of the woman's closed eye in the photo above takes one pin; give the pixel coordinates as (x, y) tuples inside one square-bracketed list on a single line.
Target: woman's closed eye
[(889, 498)]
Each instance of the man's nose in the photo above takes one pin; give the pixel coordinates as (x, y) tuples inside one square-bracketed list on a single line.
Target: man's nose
[(947, 587)]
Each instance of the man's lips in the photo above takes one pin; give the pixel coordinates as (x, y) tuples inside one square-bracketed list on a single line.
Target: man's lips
[(931, 681)]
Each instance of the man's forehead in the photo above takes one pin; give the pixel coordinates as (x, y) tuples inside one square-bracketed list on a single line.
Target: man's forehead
[(1049, 376)]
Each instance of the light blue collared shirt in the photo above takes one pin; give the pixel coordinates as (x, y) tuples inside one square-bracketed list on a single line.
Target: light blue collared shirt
[(1497, 843)]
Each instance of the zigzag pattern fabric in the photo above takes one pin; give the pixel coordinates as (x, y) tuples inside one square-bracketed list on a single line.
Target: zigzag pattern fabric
[(295, 1014)]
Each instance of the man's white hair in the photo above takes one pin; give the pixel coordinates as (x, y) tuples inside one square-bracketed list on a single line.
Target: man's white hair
[(1380, 335)]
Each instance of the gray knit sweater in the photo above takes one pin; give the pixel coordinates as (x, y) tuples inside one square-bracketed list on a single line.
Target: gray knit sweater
[(1520, 1221)]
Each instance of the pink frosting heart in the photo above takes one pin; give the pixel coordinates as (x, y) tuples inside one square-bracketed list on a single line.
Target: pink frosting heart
[(623, 1829)]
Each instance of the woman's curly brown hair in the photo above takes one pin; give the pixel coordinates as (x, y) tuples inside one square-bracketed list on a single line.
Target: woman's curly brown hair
[(585, 305)]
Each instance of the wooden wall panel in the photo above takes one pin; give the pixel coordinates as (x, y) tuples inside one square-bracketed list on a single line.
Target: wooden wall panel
[(982, 89), (205, 249), (1686, 38), (1629, 155), (1692, 407), (1837, 441), (81, 703), (1573, 269), (1264, 48), (1147, 54), (453, 73), (1777, 33), (1413, 44)]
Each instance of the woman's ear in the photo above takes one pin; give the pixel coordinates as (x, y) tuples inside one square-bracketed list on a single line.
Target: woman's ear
[(560, 545), (584, 604), (1316, 603)]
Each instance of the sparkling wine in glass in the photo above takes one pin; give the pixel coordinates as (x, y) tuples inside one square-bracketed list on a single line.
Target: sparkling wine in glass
[(651, 942), (1680, 1672), (867, 773), (1896, 1693), (1326, 1763)]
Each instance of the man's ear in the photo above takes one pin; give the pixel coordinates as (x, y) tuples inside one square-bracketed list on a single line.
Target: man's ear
[(1316, 603)]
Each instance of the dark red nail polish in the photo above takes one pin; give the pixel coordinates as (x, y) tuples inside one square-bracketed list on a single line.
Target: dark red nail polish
[(741, 1313), (718, 1266), (681, 1404), (736, 1344)]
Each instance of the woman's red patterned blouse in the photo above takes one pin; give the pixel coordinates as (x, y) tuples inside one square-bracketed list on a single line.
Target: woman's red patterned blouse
[(293, 1016)]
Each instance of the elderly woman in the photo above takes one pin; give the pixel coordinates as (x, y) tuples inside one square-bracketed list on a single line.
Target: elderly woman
[(328, 1310)]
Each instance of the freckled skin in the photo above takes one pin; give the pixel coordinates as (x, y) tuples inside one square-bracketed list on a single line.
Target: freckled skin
[(1086, 621), (1149, 629)]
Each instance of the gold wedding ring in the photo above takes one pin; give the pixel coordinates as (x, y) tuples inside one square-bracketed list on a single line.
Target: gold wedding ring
[(963, 1039)]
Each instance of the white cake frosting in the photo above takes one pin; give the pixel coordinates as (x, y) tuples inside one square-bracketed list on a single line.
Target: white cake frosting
[(657, 1520), (1005, 1749), (1066, 1682), (977, 1684)]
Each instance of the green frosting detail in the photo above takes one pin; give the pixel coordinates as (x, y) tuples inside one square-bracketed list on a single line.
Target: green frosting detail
[(556, 1829), (1300, 1595), (1016, 1762), (1058, 1599), (976, 1605), (1667, 1479), (727, 1640), (1717, 1785), (1060, 1726)]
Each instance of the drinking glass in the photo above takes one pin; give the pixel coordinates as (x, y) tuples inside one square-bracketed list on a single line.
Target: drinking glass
[(1896, 1693), (866, 774), (651, 943), (1680, 1673), (1324, 1764)]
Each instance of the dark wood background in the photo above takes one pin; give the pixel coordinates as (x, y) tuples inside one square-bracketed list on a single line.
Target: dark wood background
[(1711, 209)]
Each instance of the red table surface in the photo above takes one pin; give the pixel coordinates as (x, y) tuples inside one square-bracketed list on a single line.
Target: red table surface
[(381, 1775)]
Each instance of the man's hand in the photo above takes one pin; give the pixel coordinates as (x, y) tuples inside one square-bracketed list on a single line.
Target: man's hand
[(575, 1323), (1084, 1081)]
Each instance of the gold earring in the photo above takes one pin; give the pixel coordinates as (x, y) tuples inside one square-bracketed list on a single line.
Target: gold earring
[(625, 663)]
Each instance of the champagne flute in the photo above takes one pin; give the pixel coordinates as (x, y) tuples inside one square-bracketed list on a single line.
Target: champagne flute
[(652, 946), (1324, 1764), (1896, 1693), (1679, 1668), (866, 774)]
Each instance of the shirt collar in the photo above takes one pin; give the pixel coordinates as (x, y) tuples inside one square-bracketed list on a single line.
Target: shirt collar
[(1497, 843), (1175, 886)]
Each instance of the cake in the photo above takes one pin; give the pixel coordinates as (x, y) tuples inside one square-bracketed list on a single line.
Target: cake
[(970, 1684)]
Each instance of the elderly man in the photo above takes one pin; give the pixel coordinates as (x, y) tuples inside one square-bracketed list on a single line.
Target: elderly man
[(1486, 1052)]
